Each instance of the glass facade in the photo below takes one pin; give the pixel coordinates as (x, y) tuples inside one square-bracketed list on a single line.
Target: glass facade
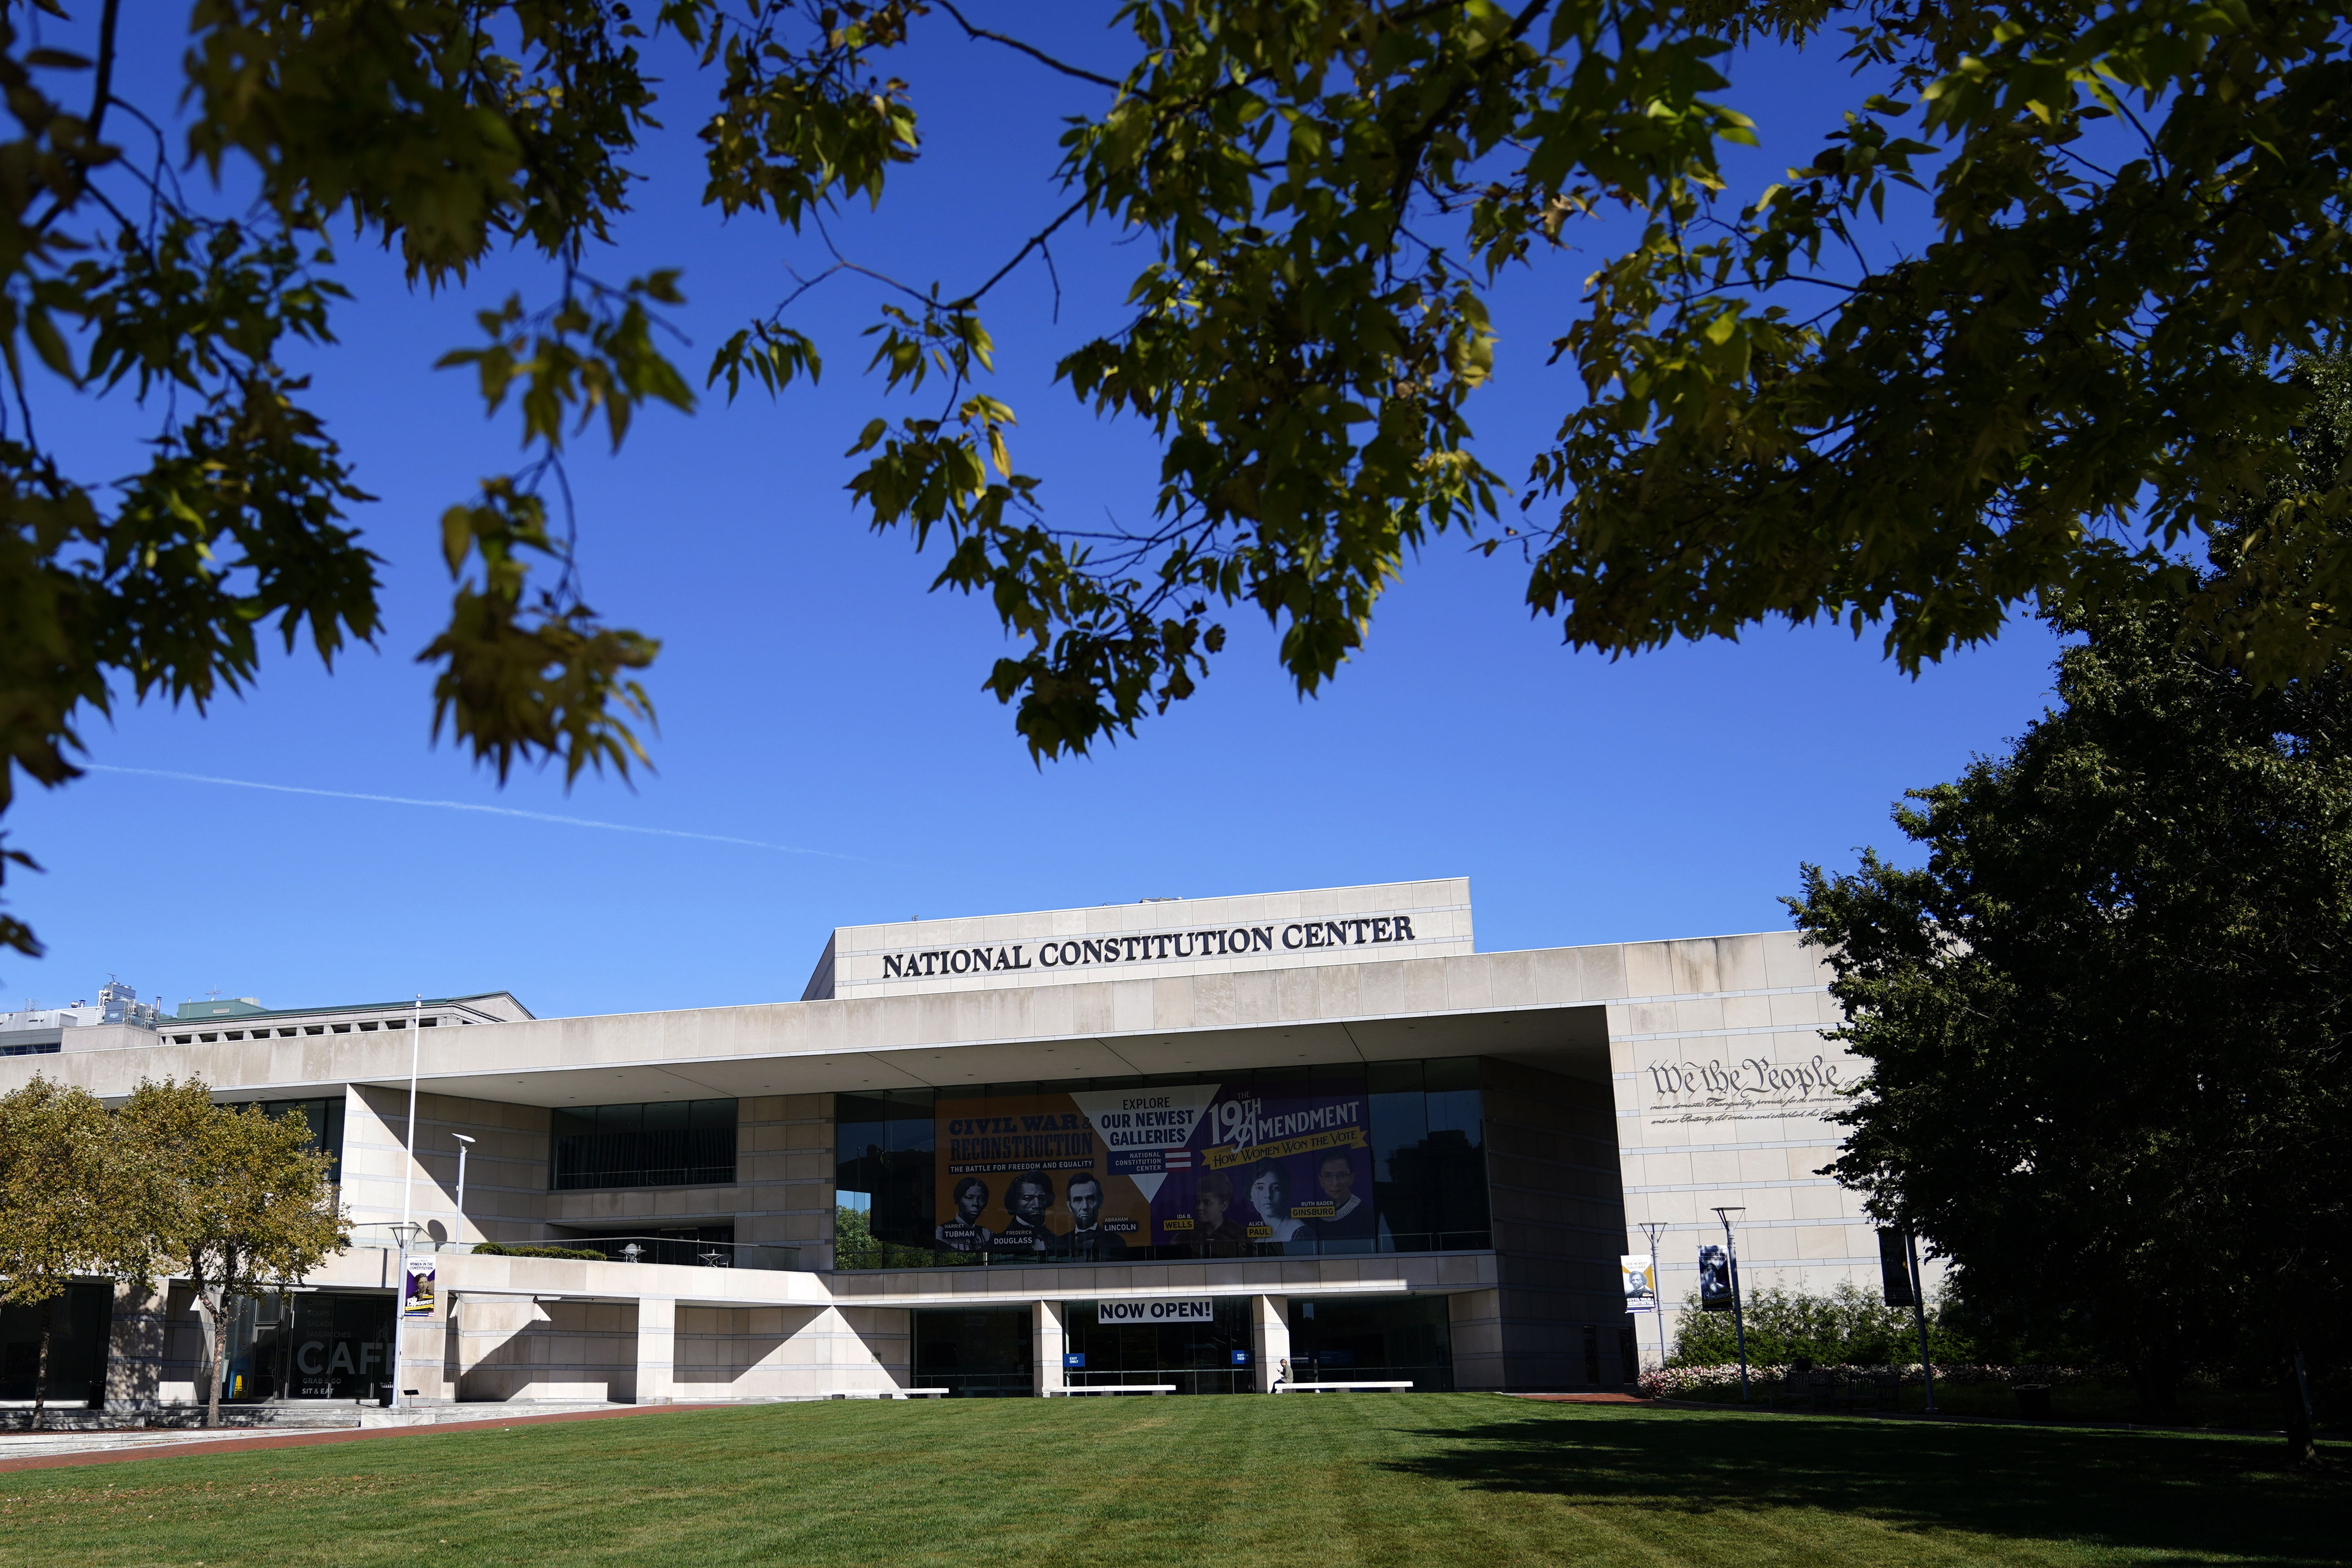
[(78, 1321), (986, 1351), (1198, 1358), (1285, 1162), (1386, 1339), (326, 1119), (678, 1144), (981, 1353), (319, 1344)]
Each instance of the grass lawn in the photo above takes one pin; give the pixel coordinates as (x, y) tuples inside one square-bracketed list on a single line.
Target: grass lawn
[(1328, 1482), (2194, 1406)]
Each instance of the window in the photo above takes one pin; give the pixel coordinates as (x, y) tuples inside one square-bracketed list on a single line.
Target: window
[(676, 1143), (326, 1119), (1307, 1161)]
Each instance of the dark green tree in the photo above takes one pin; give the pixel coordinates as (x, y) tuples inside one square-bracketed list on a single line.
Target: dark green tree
[(2105, 1021), (2133, 214)]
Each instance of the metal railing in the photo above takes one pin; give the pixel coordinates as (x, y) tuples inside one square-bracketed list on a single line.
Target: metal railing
[(667, 1249), (679, 1251), (880, 1255)]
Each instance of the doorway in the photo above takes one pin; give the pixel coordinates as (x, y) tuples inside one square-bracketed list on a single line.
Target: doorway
[(975, 1352), (315, 1345), (1212, 1357)]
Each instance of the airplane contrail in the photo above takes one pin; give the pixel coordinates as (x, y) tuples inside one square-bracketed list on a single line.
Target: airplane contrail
[(469, 805)]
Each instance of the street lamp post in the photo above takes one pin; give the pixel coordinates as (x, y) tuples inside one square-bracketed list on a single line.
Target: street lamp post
[(401, 1233), (457, 1221), (1739, 1322), (1654, 1229), (1919, 1311), (407, 1230)]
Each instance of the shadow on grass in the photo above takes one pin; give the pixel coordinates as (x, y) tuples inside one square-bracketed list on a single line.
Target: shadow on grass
[(2141, 1492)]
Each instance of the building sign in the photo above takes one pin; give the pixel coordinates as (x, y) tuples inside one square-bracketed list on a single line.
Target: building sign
[(1180, 1309), (1639, 1274), (1152, 947), (1752, 1088), (1268, 1167)]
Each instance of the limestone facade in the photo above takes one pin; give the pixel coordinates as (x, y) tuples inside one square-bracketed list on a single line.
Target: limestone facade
[(1623, 1083)]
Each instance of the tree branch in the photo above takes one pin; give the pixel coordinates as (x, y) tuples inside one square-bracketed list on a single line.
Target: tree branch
[(1040, 56), (101, 91)]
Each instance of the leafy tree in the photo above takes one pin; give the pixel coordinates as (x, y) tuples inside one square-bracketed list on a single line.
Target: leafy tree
[(2104, 1020), (65, 1212), (853, 1235), (2127, 212), (237, 1200), (1848, 1326), (854, 1245)]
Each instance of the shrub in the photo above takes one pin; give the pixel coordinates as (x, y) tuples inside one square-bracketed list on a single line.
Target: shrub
[(1849, 1327), (501, 1250), (1684, 1382)]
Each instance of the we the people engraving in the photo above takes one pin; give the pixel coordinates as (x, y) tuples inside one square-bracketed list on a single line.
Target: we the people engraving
[(1744, 1091)]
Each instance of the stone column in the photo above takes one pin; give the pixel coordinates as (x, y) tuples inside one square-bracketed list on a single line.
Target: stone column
[(1051, 1339), (1474, 1319), (134, 1348), (422, 1354), (1269, 1338), (657, 1348)]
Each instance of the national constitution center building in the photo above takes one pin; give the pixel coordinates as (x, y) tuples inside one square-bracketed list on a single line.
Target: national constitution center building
[(1200, 1144)]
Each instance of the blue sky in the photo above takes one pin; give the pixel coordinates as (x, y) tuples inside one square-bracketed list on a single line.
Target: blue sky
[(823, 727)]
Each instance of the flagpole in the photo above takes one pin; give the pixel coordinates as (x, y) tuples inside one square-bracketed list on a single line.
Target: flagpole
[(408, 1193), (1654, 1229)]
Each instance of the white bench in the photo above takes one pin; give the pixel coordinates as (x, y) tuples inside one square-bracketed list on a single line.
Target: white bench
[(1335, 1388), (1113, 1388)]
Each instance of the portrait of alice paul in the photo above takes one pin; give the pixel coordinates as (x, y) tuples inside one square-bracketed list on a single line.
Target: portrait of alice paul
[(1269, 1197)]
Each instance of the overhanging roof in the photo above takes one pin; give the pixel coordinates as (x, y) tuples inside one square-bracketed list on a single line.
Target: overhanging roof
[(1548, 1009)]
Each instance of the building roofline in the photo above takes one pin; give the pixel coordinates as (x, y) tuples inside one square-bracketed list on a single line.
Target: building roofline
[(227, 1020), (1172, 898)]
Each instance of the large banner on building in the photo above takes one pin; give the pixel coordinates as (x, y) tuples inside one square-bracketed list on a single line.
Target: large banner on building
[(1261, 1168)]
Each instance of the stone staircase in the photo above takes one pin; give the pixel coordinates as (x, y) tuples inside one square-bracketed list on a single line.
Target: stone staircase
[(484, 1410), (79, 1431), (294, 1415)]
